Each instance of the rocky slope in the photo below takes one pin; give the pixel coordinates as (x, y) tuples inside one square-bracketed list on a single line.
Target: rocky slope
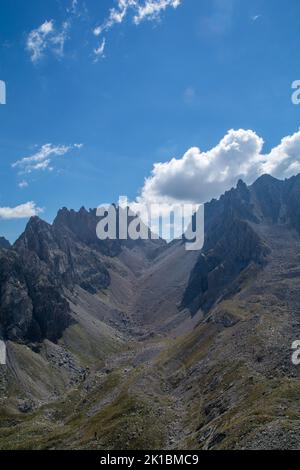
[(105, 338)]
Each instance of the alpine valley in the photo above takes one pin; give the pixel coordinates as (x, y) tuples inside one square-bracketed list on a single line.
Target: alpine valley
[(144, 345)]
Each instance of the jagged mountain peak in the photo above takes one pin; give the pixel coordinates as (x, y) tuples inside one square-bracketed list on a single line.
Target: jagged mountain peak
[(266, 179), (4, 243), (34, 226)]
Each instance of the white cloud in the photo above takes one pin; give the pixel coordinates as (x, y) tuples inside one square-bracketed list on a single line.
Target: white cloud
[(37, 40), (116, 15), (255, 18), (23, 184), (41, 160), (73, 8), (284, 160), (59, 38), (199, 176), (141, 10), (47, 38), (51, 37), (23, 211), (152, 9), (99, 51)]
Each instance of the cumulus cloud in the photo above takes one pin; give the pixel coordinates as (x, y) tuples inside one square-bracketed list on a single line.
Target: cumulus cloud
[(198, 176), (139, 10), (42, 159), (23, 211), (47, 37)]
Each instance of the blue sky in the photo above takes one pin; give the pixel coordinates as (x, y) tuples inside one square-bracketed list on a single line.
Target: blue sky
[(160, 85)]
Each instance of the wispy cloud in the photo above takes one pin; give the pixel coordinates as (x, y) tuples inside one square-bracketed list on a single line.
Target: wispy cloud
[(23, 184), (100, 50), (73, 8), (116, 16), (220, 18), (147, 10), (77, 8), (23, 211), (152, 9), (42, 159), (37, 40), (255, 18), (50, 37), (47, 37), (189, 95)]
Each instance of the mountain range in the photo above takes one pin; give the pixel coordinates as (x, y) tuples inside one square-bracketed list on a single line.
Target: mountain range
[(144, 345)]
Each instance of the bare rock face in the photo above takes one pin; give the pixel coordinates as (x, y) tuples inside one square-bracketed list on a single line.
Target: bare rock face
[(16, 306), (31, 305), (236, 247), (68, 257)]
